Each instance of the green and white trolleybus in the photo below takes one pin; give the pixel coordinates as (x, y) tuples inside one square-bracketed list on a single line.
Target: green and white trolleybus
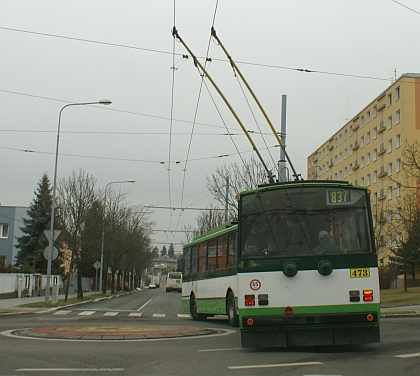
[(299, 268)]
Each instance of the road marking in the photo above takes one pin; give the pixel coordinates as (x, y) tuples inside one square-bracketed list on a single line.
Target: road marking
[(62, 312), (69, 370), (414, 355), (184, 315), (276, 365), (86, 313), (111, 313), (159, 315), (144, 305), (135, 314), (215, 350)]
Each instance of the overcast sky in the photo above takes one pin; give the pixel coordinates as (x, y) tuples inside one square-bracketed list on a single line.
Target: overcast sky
[(58, 52)]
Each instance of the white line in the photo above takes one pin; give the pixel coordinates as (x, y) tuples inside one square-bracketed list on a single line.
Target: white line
[(111, 313), (184, 315), (86, 313), (160, 315), (276, 365), (215, 350), (69, 370), (62, 312), (135, 314), (144, 305), (414, 355)]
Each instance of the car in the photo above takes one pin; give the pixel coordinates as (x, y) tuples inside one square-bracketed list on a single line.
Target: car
[(152, 285)]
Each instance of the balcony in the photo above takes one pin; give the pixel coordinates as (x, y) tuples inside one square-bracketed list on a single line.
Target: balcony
[(381, 194), (355, 165), (381, 127), (355, 146), (382, 172), (381, 149)]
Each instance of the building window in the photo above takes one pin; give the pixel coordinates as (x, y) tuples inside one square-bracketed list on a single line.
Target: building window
[(398, 190), (345, 172), (389, 122), (375, 111), (397, 93), (368, 138), (375, 154), (345, 153), (398, 214), (389, 217), (368, 159), (375, 176), (374, 200), (368, 117), (389, 193), (351, 168), (389, 169), (362, 141), (351, 149), (398, 238), (389, 146), (397, 117), (345, 134), (397, 140), (4, 230), (362, 122), (350, 131), (368, 179), (375, 133), (389, 240), (362, 181), (362, 162), (389, 99), (340, 139)]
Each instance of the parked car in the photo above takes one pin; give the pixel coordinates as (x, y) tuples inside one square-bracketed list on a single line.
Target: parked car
[(152, 285)]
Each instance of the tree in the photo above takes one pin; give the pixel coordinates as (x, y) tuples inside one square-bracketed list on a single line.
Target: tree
[(171, 251), (163, 251), (31, 245)]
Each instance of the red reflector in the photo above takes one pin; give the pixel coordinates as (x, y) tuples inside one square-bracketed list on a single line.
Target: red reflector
[(369, 317), (288, 310), (250, 322), (249, 303), (368, 298)]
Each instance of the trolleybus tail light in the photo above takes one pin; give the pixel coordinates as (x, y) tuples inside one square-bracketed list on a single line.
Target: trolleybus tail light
[(369, 317), (368, 295), (249, 300), (354, 295), (262, 299), (250, 322), (288, 310)]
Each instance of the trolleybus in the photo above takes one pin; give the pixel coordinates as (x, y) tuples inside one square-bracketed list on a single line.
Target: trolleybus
[(306, 269)]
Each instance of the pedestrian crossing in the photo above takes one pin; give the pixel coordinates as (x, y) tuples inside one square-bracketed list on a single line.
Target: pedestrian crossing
[(89, 313)]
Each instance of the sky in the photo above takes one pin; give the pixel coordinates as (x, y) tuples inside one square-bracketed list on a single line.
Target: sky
[(166, 127)]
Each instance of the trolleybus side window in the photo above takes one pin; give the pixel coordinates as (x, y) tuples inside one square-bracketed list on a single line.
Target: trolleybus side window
[(211, 254), (221, 252), (186, 262), (202, 257), (194, 259), (232, 249)]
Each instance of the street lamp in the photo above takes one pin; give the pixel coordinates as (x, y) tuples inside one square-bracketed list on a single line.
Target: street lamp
[(51, 234), (103, 228)]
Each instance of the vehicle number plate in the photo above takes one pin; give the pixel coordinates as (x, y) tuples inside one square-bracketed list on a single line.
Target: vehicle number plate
[(359, 273)]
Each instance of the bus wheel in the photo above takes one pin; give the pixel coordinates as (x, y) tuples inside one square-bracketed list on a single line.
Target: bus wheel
[(231, 310), (193, 310)]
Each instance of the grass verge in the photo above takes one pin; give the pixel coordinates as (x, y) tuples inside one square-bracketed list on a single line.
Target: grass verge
[(62, 303), (399, 297)]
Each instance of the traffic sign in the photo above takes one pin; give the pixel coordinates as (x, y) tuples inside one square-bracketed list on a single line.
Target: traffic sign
[(54, 253), (56, 234), (97, 265)]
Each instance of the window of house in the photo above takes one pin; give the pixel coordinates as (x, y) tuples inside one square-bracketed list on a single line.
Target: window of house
[(345, 134), (345, 172), (375, 176), (345, 153), (398, 214), (362, 181), (389, 193), (398, 238), (339, 175), (368, 138), (375, 133), (368, 179), (389, 99), (397, 93), (351, 149), (398, 190), (389, 122), (375, 154), (4, 230), (397, 140), (375, 111), (362, 141), (389, 216), (389, 146), (362, 122), (335, 161), (350, 131), (398, 165), (368, 159), (397, 117), (389, 169), (374, 200), (351, 168), (362, 162), (340, 139), (368, 117)]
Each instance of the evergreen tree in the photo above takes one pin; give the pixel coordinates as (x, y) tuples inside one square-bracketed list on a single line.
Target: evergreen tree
[(31, 245)]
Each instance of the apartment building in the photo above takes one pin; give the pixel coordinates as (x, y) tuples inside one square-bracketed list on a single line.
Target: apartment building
[(368, 149)]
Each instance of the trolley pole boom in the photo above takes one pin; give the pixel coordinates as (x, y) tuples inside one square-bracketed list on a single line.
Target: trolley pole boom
[(197, 63), (234, 66)]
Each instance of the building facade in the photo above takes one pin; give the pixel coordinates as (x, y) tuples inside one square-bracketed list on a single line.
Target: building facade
[(368, 151), (11, 220)]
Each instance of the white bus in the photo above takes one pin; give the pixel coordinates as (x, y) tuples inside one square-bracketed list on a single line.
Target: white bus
[(174, 282)]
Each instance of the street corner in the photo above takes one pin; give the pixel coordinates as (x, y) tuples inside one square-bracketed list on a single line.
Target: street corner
[(113, 332)]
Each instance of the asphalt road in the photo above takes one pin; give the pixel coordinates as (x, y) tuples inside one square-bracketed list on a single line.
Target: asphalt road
[(216, 354)]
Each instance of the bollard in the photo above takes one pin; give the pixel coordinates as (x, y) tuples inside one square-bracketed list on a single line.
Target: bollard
[(54, 298)]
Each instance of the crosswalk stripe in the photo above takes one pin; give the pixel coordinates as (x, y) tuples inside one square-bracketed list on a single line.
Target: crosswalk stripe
[(86, 313), (184, 315), (135, 314), (159, 315), (111, 313), (62, 312)]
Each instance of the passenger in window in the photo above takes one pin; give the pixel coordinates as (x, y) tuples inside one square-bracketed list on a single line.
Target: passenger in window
[(325, 245)]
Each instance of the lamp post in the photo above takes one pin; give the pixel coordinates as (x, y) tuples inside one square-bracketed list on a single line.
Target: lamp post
[(103, 228), (51, 234)]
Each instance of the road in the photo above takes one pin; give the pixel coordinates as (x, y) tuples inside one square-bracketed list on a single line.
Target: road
[(216, 354)]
